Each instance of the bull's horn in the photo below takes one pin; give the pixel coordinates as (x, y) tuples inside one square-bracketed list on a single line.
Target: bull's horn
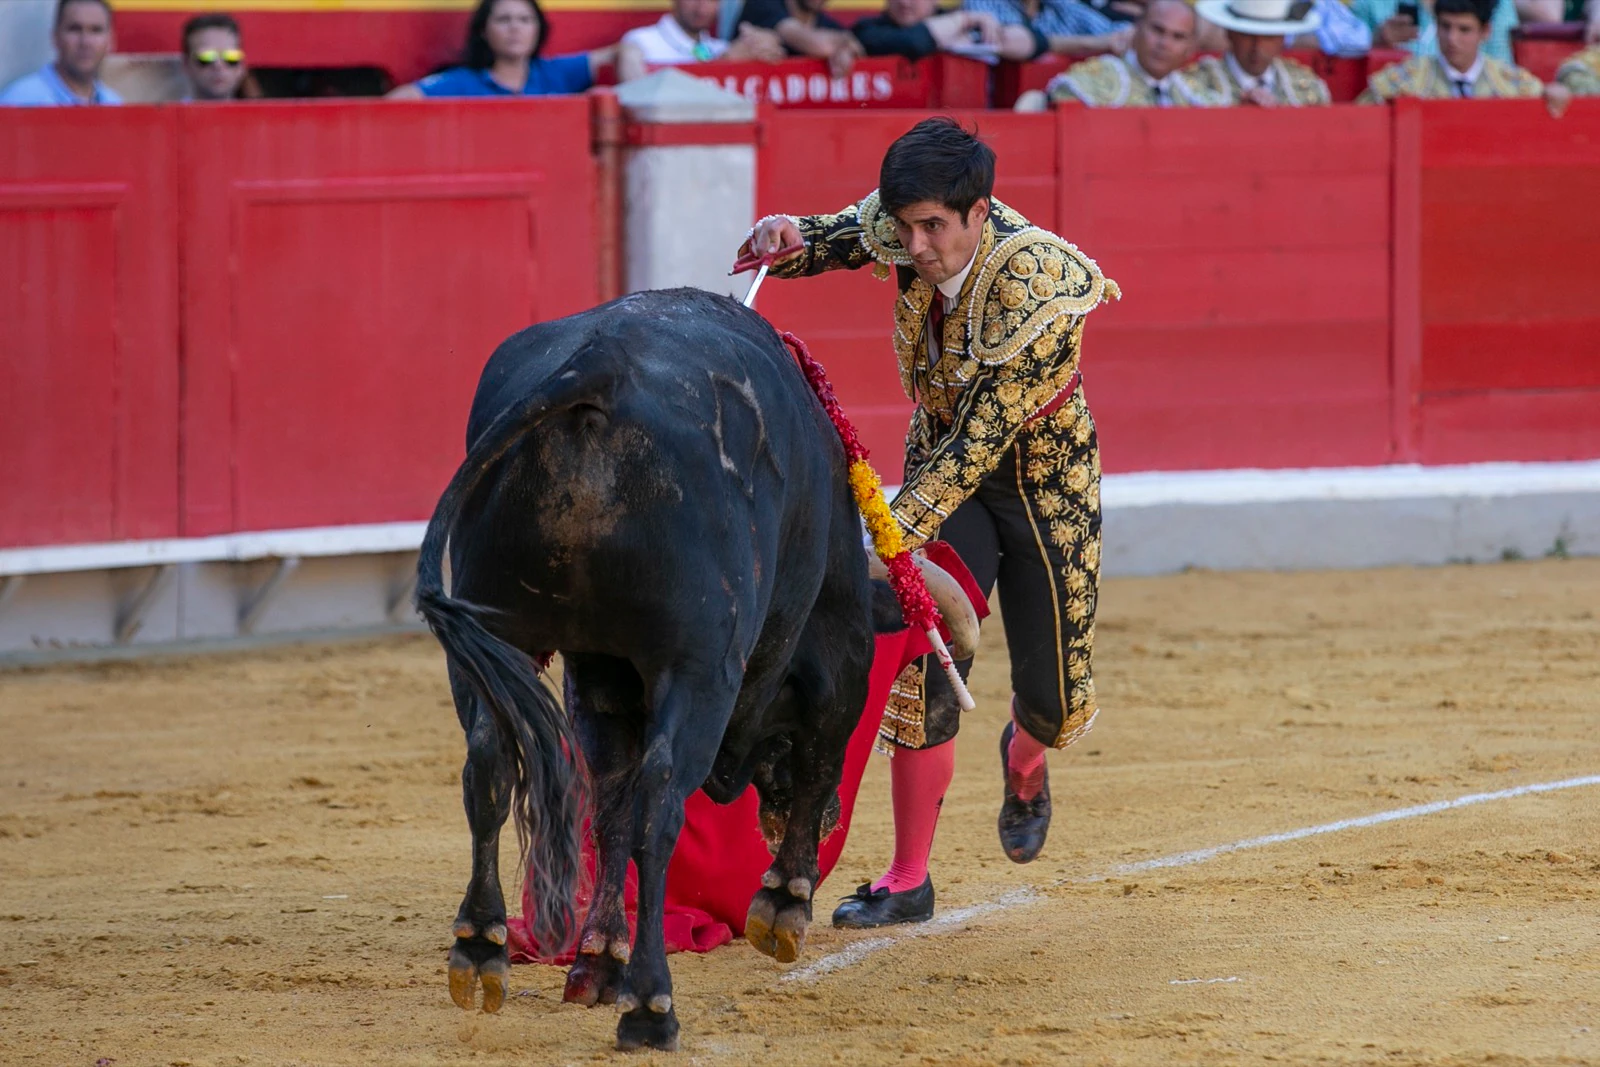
[(960, 618)]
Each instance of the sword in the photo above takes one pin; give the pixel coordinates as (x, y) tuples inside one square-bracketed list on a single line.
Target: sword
[(764, 262)]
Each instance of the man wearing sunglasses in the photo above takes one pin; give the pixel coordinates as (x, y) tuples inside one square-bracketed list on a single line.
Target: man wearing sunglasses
[(213, 59)]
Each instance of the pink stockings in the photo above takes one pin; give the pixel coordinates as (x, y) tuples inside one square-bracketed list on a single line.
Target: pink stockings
[(918, 779)]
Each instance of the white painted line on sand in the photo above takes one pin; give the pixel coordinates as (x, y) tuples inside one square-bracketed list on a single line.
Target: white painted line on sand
[(1185, 859), (1200, 981), (1027, 895), (860, 950)]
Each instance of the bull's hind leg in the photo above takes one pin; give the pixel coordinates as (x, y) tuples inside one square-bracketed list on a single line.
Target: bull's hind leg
[(478, 955), (780, 911), (687, 723), (606, 701)]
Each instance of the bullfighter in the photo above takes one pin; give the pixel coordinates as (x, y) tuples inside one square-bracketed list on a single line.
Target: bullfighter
[(1002, 461)]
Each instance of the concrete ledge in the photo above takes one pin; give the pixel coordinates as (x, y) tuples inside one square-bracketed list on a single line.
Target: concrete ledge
[(82, 599), (1158, 522)]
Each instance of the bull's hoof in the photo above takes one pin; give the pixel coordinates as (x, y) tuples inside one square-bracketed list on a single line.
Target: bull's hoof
[(594, 978), (646, 1028), (476, 961), (776, 923)]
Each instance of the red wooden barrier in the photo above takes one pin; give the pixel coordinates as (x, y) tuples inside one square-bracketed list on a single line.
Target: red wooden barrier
[(1509, 362), (88, 325), (348, 269), (815, 162), (877, 82), (1253, 251), (1542, 47)]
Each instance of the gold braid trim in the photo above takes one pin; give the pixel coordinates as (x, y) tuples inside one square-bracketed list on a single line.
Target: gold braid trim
[(878, 236), (902, 723), (1029, 281)]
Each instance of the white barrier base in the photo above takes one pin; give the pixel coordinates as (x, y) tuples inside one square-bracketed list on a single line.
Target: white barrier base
[(357, 578), (1332, 518)]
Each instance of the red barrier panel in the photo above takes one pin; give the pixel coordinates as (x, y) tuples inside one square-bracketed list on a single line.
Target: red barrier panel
[(348, 269), (88, 325), (1253, 247), (878, 82), (1542, 47), (1509, 330), (818, 162), (1253, 251)]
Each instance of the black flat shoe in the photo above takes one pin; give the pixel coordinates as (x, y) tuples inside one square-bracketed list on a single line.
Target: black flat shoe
[(869, 907), (1023, 823)]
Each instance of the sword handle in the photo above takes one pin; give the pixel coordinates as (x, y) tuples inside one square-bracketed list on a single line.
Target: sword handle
[(942, 653)]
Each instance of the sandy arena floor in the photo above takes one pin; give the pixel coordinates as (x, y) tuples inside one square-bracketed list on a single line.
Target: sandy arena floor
[(254, 858)]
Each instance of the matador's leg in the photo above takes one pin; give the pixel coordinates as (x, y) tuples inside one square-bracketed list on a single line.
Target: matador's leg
[(1049, 576), (920, 726)]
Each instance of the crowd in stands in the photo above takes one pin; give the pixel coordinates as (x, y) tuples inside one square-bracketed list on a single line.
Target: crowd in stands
[(1132, 53)]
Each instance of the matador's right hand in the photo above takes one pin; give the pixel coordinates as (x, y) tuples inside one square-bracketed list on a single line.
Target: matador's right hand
[(772, 234)]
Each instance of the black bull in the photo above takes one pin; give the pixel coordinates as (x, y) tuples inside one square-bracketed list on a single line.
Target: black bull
[(651, 489)]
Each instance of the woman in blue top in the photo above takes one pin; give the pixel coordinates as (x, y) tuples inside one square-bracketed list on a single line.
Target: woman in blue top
[(504, 39)]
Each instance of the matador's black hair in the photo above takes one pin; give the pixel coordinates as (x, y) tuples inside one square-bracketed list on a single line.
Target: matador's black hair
[(936, 160)]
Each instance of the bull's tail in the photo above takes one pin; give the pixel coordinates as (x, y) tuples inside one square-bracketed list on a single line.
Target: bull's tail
[(549, 785)]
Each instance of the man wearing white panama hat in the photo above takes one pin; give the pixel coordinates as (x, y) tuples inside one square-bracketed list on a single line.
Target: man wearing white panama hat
[(1254, 71)]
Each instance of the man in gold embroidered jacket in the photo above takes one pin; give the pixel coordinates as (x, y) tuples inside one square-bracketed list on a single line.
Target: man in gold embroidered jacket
[(1002, 461)]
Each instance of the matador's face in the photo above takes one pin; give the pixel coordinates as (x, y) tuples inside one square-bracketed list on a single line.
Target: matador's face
[(939, 241)]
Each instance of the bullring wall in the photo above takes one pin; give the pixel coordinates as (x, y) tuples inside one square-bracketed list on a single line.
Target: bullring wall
[(271, 317)]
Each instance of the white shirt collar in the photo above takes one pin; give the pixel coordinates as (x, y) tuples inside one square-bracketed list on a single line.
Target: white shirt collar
[(950, 288), (1268, 80), (1470, 75), (1139, 72), (676, 35)]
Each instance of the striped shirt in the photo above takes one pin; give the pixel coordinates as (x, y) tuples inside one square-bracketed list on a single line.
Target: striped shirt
[(1056, 18)]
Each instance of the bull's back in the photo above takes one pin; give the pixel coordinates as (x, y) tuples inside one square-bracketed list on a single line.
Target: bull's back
[(683, 450)]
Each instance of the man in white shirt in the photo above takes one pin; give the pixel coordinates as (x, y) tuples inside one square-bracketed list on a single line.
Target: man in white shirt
[(684, 35)]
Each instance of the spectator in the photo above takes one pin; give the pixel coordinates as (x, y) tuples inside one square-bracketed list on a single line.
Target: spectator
[(83, 39), (504, 39), (1339, 32), (915, 28), (1390, 29), (1581, 72), (1462, 69), (1129, 11), (1146, 75), (1563, 11), (806, 30), (213, 58), (1064, 27), (1253, 71), (684, 35)]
